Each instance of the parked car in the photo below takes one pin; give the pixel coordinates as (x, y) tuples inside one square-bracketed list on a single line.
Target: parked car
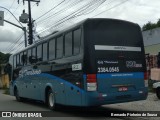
[(156, 87)]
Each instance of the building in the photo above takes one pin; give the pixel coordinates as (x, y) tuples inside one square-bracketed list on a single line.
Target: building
[(151, 40)]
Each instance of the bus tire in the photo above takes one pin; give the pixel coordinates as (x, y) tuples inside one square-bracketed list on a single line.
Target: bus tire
[(158, 92), (51, 100), (18, 98)]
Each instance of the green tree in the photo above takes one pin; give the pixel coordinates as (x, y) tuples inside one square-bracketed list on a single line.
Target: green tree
[(151, 25), (4, 58), (158, 23)]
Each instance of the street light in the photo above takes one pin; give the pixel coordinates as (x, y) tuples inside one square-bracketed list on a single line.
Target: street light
[(21, 27)]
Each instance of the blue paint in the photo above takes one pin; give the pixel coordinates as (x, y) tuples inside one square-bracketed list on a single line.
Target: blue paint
[(121, 75), (52, 77), (85, 98)]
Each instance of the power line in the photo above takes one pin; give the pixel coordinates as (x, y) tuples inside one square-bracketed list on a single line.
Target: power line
[(11, 6), (112, 7), (18, 39), (71, 13), (65, 19), (75, 13), (13, 44), (93, 16), (61, 11), (50, 10), (12, 15), (15, 10)]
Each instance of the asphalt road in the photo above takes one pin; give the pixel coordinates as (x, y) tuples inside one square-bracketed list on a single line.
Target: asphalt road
[(8, 103)]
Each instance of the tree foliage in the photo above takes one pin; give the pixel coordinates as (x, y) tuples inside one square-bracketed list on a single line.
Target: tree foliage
[(151, 25), (4, 58)]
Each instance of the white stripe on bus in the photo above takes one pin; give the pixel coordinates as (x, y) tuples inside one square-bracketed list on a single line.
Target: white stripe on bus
[(117, 48)]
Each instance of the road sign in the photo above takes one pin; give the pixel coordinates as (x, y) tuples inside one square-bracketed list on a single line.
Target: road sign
[(1, 18)]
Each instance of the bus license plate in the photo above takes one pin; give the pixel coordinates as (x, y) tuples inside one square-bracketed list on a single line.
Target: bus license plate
[(123, 89)]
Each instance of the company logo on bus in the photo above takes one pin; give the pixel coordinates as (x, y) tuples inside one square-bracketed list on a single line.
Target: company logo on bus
[(133, 64), (106, 62), (29, 71), (120, 48)]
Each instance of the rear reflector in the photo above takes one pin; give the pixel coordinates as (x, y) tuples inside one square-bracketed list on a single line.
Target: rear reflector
[(91, 82), (146, 79)]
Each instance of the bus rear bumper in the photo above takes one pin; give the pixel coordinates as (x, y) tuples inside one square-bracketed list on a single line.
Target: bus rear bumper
[(97, 99)]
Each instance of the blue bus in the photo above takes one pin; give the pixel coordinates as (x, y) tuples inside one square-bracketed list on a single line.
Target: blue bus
[(94, 62)]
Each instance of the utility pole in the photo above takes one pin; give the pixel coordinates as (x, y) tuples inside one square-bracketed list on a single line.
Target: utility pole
[(23, 28), (30, 37)]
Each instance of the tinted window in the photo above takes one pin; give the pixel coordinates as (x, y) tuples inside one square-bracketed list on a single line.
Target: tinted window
[(18, 60), (34, 52), (68, 44), (59, 50), (21, 58), (52, 49), (14, 61), (45, 51), (29, 56), (25, 57), (77, 40), (39, 52)]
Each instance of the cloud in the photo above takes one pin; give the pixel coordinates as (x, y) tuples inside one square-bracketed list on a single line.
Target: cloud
[(9, 34)]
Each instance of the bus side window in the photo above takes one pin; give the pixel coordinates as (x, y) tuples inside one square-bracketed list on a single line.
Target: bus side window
[(59, 47), (33, 58), (28, 56), (21, 60), (25, 58), (18, 62), (14, 62), (45, 51), (68, 44), (52, 49), (77, 41), (39, 52)]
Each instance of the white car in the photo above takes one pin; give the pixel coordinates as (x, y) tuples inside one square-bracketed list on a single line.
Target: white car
[(156, 86)]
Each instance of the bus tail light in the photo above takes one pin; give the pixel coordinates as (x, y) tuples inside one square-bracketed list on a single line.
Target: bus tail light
[(91, 82), (146, 79)]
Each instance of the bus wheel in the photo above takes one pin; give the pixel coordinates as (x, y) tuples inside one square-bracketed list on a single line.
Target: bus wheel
[(158, 92), (18, 98), (51, 100)]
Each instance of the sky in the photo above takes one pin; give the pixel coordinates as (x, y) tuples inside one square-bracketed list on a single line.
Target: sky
[(56, 15)]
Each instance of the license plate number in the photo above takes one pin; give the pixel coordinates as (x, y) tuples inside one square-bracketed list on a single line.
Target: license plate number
[(122, 89)]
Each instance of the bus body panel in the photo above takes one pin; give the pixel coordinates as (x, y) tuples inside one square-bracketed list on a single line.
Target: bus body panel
[(113, 82), (69, 84), (115, 54)]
